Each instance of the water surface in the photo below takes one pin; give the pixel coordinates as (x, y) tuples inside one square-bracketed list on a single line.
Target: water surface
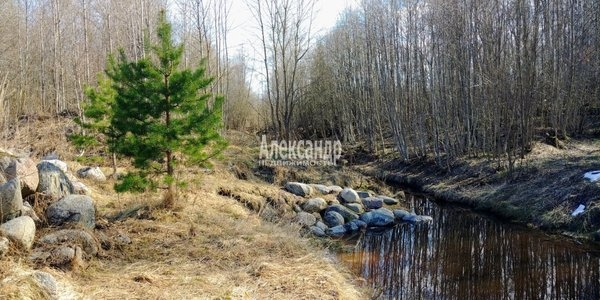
[(464, 255)]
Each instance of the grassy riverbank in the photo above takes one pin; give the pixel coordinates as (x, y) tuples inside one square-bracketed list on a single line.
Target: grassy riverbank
[(542, 191), (212, 245)]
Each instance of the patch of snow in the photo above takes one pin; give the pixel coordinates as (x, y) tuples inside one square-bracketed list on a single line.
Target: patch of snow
[(592, 176), (578, 210)]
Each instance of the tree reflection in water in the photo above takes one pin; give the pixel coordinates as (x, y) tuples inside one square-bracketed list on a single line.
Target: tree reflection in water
[(463, 255)]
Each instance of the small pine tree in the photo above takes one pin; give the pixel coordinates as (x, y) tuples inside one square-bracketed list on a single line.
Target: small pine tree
[(161, 112), (96, 116)]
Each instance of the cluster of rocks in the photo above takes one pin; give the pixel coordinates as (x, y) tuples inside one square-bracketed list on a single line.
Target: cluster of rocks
[(59, 198), (351, 211)]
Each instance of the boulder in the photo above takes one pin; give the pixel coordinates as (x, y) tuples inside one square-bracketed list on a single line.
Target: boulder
[(317, 231), (93, 173), (321, 225), (72, 238), (72, 208), (11, 201), (348, 214), (24, 169), (400, 214), (53, 181), (305, 219), (363, 194), (20, 230), (322, 189), (333, 219), (355, 226), (335, 189), (337, 231), (298, 189), (79, 188), (372, 202), (314, 205), (414, 219), (355, 207), (378, 218), (388, 200), (349, 195), (57, 163)]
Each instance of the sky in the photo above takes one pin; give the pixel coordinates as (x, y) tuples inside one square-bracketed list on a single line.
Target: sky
[(242, 34)]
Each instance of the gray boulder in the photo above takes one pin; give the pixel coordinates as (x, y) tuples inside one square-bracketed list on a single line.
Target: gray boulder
[(321, 225), (314, 205), (53, 181), (299, 189), (388, 200), (20, 230), (335, 189), (57, 163), (363, 194), (305, 219), (355, 207), (11, 201), (24, 169), (71, 237), (378, 218), (72, 209), (333, 219), (79, 188), (93, 173), (323, 189), (337, 231), (414, 219), (317, 231), (372, 202), (349, 195), (348, 214)]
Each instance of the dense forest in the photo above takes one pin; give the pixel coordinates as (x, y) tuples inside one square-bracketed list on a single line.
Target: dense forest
[(438, 78)]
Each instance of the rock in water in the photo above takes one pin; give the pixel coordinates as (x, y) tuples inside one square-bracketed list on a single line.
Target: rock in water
[(337, 231), (349, 195), (299, 189), (11, 201), (378, 218), (53, 181), (314, 205), (72, 208), (333, 219), (20, 230)]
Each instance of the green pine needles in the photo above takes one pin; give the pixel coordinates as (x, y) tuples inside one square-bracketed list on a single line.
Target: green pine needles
[(157, 114)]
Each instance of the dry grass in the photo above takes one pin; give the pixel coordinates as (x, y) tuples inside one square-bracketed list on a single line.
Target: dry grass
[(209, 246), (212, 247)]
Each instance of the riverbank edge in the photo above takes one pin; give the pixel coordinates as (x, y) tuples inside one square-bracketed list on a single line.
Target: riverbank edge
[(520, 198)]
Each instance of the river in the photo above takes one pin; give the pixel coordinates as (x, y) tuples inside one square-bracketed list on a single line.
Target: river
[(465, 255)]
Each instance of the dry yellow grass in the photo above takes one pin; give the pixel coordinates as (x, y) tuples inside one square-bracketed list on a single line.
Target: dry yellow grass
[(211, 247)]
